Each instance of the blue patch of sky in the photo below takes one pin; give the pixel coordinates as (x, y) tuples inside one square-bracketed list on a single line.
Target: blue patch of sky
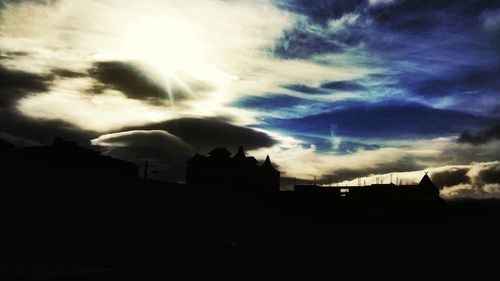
[(442, 54)]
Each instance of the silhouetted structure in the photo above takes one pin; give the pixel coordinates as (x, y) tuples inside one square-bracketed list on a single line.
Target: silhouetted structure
[(425, 192), (64, 163), (220, 171), (56, 210)]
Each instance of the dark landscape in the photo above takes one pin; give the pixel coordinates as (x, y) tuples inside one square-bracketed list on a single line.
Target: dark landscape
[(73, 214)]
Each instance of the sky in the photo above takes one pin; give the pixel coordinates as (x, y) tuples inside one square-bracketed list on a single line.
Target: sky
[(332, 89)]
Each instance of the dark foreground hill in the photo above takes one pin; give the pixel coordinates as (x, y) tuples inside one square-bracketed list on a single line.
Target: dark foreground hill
[(157, 232)]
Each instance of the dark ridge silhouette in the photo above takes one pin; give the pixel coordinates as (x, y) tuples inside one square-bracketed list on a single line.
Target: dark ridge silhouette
[(71, 213)]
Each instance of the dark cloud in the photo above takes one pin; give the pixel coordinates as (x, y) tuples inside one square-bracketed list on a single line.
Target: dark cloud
[(402, 9), (409, 16), (137, 81), (42, 131), (15, 85), (130, 79), (343, 86), (305, 89), (462, 81), (5, 3), (495, 110), (19, 80), (271, 101), (463, 153), (392, 119), (12, 55), (205, 134), (165, 153), (481, 137), (451, 177), (490, 174), (482, 181), (406, 12), (404, 164), (66, 73)]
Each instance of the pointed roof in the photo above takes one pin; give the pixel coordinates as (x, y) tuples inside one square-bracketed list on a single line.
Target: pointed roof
[(267, 164), (240, 154), (426, 181)]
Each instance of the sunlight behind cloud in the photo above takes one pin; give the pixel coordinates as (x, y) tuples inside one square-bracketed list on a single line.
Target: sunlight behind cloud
[(226, 45), (176, 39)]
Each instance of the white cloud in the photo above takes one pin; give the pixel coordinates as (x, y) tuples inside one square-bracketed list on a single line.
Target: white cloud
[(491, 20), (348, 19), (463, 191), (166, 142), (381, 2), (297, 160), (104, 112)]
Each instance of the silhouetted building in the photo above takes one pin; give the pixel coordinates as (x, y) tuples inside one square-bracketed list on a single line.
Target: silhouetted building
[(423, 192), (64, 163), (219, 170)]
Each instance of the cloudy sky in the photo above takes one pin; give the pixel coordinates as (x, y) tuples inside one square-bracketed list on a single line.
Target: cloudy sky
[(332, 89)]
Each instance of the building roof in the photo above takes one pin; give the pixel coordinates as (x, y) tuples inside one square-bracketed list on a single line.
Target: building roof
[(251, 160), (240, 154), (268, 165), (221, 152), (426, 181), (197, 158)]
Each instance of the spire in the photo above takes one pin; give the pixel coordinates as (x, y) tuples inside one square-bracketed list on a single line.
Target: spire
[(267, 164), (426, 181), (268, 160), (240, 154)]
